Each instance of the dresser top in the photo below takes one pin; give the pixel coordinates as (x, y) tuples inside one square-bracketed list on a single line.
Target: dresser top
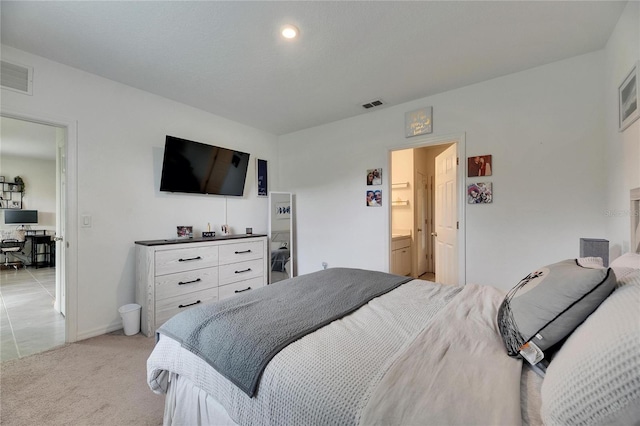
[(196, 240)]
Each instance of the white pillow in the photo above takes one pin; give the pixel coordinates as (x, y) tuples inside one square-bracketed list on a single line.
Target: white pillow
[(625, 265), (629, 260), (595, 376)]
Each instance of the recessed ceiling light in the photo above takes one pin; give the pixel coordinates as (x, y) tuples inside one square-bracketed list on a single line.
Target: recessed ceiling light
[(289, 31)]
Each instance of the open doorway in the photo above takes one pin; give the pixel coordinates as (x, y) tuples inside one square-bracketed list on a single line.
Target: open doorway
[(32, 291), (427, 210)]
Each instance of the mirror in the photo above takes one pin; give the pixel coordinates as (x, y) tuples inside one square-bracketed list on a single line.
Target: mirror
[(281, 236)]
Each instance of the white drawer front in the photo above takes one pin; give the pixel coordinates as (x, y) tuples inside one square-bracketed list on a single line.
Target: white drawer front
[(167, 308), (171, 285), (239, 288), (238, 252), (241, 271), (186, 259)]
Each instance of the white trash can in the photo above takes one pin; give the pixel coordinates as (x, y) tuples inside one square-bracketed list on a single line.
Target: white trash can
[(130, 318)]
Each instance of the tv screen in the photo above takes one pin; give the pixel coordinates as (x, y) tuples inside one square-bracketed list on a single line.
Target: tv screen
[(20, 217), (195, 167)]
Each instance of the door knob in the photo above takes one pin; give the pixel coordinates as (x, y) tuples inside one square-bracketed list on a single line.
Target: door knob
[(434, 234), (419, 230), (57, 238)]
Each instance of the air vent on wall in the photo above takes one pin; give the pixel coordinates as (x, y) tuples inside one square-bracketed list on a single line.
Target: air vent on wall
[(16, 77), (372, 104)]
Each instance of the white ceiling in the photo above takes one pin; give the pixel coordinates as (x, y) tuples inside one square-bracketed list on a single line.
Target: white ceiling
[(228, 58)]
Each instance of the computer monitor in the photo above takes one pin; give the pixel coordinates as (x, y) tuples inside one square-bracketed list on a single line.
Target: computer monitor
[(20, 217)]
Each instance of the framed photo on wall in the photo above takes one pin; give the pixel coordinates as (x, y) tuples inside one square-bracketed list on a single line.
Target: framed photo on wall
[(480, 165), (374, 198), (480, 193), (374, 176), (261, 174), (628, 99)]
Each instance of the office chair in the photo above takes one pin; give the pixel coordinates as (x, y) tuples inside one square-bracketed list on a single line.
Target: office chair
[(12, 245)]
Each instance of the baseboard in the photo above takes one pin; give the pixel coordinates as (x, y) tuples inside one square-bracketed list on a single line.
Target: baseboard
[(98, 331)]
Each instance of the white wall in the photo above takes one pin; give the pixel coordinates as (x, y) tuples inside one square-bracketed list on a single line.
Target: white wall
[(623, 148), (39, 178), (545, 130), (121, 134)]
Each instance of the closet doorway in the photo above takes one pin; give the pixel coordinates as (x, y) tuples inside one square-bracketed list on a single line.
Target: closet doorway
[(427, 210), (34, 295)]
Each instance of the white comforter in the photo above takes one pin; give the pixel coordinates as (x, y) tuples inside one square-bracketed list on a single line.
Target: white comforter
[(341, 373)]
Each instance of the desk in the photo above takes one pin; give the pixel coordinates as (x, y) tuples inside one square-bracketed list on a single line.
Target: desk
[(40, 240)]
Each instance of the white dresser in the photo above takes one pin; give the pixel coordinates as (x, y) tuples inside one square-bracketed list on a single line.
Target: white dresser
[(173, 275)]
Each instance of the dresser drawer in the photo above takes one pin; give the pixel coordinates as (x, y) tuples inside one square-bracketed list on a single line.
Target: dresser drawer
[(238, 252), (185, 259), (241, 271), (185, 282), (241, 287), (167, 308)]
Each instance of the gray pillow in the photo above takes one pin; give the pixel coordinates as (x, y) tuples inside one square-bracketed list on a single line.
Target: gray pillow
[(548, 304)]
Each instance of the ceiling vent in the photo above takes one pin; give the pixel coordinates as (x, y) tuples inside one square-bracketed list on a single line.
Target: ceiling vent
[(372, 104), (18, 78)]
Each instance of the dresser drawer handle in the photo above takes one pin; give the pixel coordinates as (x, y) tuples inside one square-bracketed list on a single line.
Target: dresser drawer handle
[(191, 258), (190, 304), (197, 280), (240, 291), (241, 252), (245, 270)]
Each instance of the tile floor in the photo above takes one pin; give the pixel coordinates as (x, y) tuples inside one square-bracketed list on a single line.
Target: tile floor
[(28, 322)]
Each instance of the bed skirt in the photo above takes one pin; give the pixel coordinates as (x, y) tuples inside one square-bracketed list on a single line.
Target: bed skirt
[(186, 404)]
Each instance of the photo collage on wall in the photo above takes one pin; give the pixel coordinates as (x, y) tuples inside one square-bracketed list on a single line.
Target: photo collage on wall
[(374, 196), (479, 192)]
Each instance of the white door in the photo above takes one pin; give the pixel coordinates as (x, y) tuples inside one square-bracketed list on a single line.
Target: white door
[(446, 221), (60, 298), (421, 235)]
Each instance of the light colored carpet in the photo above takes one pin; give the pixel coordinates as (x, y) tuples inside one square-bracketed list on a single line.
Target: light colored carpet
[(98, 381)]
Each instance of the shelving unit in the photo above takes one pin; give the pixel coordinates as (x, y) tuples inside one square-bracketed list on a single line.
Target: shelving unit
[(399, 185), (11, 194), (399, 201)]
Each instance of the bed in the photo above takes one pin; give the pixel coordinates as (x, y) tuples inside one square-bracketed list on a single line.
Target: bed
[(415, 353)]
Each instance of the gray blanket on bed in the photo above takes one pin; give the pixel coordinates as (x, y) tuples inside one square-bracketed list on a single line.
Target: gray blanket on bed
[(239, 336)]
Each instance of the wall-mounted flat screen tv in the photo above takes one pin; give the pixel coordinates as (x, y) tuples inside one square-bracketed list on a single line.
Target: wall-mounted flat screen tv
[(198, 168), (20, 217)]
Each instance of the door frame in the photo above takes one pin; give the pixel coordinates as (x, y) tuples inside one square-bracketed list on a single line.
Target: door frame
[(70, 242), (461, 147)]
